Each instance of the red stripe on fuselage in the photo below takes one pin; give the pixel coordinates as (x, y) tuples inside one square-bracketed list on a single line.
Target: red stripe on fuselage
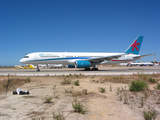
[(120, 60)]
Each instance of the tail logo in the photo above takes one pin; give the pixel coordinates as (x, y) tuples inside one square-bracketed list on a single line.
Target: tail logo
[(134, 45)]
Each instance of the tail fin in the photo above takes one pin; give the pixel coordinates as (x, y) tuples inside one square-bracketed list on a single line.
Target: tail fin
[(134, 48)]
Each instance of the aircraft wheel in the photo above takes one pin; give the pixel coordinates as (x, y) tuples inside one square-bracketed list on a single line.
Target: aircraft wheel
[(87, 69), (94, 69)]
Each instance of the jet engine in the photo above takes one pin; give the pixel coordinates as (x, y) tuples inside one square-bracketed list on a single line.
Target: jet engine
[(71, 66), (83, 64)]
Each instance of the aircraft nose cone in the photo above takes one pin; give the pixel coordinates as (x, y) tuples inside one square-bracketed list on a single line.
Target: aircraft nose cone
[(21, 61)]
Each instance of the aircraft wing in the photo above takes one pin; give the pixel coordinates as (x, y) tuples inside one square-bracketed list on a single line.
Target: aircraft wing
[(141, 56), (101, 59)]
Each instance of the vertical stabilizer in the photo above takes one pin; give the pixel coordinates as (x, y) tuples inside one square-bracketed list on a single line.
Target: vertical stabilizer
[(134, 48)]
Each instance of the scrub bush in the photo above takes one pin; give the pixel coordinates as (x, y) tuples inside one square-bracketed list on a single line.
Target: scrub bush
[(59, 116), (47, 99), (101, 89), (79, 107), (66, 81), (152, 80), (85, 91), (158, 86), (138, 86), (150, 114), (77, 83)]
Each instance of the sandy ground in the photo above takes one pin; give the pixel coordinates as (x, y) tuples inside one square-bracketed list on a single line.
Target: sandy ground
[(101, 106)]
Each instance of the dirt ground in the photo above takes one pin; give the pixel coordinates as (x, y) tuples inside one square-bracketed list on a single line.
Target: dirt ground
[(101, 106)]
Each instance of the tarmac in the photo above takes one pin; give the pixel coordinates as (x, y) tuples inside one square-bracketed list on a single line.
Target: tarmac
[(67, 71)]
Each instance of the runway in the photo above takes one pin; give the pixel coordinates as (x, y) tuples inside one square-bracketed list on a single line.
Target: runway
[(67, 71)]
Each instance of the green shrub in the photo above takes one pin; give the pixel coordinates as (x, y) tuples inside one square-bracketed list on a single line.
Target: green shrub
[(77, 76), (125, 100), (117, 77), (47, 75), (66, 81), (47, 99), (69, 91), (4, 85), (101, 89), (110, 87), (27, 80), (85, 91), (70, 75), (77, 83), (95, 81), (79, 107), (158, 86), (40, 118), (152, 80), (54, 86), (138, 86), (59, 116), (150, 114)]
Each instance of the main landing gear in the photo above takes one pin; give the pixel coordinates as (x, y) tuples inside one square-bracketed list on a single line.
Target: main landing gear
[(87, 69), (38, 68), (93, 69)]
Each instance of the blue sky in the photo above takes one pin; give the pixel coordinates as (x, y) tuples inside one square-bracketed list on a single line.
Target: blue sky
[(28, 26)]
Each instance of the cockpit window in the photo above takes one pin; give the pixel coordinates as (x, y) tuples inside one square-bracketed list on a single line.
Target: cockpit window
[(26, 56)]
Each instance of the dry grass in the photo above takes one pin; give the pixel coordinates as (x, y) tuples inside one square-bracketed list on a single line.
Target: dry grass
[(99, 103), (34, 115), (147, 99), (15, 81), (128, 78)]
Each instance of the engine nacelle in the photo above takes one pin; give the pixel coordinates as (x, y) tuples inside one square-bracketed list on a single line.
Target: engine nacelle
[(71, 66), (83, 64)]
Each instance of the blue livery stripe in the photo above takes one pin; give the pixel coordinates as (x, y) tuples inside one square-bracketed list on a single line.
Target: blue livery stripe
[(61, 59)]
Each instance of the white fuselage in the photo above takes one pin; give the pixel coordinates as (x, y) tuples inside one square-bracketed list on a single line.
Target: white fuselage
[(71, 57)]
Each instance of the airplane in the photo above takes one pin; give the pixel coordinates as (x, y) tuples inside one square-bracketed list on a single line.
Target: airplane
[(30, 66), (85, 59), (137, 64), (140, 64), (18, 66), (25, 67)]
